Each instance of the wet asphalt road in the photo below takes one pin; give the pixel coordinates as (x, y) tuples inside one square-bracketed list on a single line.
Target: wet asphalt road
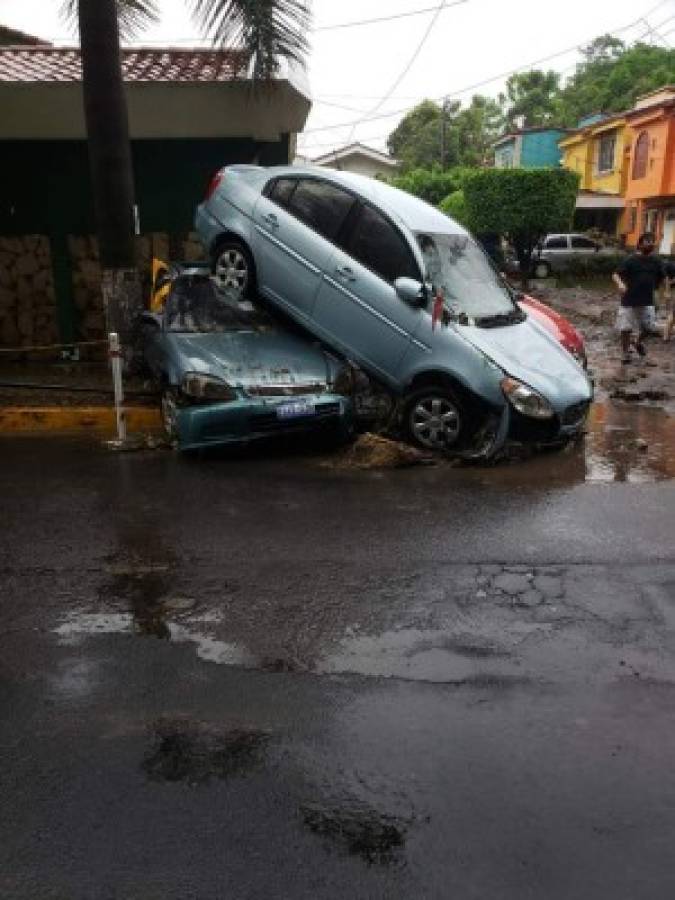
[(256, 678)]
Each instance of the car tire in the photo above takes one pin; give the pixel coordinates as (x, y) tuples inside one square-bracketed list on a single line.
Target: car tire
[(234, 269), (434, 419), (168, 409), (541, 269)]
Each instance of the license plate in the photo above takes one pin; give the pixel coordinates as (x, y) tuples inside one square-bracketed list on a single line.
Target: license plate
[(295, 410)]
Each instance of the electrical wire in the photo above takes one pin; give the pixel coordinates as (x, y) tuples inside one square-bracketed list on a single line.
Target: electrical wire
[(483, 83), (403, 74), (392, 18)]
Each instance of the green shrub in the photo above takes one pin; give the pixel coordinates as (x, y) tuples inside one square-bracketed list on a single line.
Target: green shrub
[(523, 204), (454, 206), (432, 185)]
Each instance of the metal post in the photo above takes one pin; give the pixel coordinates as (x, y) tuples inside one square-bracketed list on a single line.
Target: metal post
[(115, 353)]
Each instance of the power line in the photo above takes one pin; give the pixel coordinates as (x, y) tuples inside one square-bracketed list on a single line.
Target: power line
[(479, 84), (367, 117), (392, 18)]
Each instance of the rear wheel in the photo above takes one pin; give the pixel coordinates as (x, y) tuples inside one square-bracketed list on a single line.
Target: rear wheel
[(234, 270), (433, 418)]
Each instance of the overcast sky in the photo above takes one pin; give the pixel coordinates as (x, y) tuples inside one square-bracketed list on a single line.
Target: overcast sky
[(357, 67)]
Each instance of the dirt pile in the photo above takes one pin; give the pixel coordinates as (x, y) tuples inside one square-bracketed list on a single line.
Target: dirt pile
[(372, 451)]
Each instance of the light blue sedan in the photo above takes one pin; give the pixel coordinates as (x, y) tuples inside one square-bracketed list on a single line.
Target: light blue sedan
[(229, 374), (403, 291)]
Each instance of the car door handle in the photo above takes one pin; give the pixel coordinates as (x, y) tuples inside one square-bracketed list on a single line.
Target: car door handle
[(346, 273), (271, 220)]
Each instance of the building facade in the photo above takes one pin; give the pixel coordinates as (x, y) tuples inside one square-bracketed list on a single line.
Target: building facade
[(650, 170), (359, 159), (528, 148), (190, 113), (596, 152)]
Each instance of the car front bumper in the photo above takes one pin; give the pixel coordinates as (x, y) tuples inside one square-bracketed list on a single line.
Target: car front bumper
[(251, 419)]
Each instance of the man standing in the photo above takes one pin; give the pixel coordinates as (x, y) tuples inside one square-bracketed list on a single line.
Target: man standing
[(637, 279)]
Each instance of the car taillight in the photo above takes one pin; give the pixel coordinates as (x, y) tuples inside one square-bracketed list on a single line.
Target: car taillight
[(213, 185)]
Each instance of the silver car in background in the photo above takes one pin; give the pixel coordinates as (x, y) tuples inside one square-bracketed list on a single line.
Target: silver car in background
[(557, 251), (403, 291)]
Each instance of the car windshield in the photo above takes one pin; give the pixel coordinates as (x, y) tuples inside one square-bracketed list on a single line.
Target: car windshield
[(457, 266), (195, 306)]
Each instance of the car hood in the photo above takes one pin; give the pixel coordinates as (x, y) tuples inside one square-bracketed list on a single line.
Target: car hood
[(252, 359), (529, 353)]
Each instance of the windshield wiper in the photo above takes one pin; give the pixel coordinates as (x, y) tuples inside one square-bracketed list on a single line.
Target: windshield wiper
[(510, 318)]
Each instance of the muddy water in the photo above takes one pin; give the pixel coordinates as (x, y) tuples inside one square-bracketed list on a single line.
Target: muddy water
[(629, 442)]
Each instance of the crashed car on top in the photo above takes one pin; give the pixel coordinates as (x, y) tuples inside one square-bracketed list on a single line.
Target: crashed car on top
[(402, 290), (229, 374)]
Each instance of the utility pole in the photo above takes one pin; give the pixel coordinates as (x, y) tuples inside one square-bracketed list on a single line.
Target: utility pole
[(444, 136)]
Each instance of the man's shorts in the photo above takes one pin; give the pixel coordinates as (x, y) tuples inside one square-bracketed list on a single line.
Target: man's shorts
[(633, 318)]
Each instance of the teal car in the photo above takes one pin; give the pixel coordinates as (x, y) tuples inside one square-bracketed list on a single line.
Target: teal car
[(229, 374)]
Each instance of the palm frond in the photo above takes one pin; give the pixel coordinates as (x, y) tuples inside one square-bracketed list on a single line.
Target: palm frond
[(134, 15), (268, 30)]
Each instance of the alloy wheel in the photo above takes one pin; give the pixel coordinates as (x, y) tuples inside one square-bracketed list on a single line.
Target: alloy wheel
[(232, 271), (435, 422)]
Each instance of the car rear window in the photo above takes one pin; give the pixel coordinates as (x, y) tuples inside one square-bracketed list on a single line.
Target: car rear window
[(322, 206), (378, 245)]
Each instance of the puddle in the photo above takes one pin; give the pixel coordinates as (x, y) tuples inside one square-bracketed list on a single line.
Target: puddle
[(186, 751), (82, 624), (360, 830), (629, 444), (411, 654)]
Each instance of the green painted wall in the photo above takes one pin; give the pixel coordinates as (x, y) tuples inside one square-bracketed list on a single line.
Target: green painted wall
[(44, 185)]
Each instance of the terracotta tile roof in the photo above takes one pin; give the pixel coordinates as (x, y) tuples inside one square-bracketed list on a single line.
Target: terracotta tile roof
[(139, 64)]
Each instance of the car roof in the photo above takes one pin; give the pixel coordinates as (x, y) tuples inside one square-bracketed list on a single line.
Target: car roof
[(414, 213)]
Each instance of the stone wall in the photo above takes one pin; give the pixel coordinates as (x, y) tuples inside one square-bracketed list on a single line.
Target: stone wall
[(28, 312), (28, 304)]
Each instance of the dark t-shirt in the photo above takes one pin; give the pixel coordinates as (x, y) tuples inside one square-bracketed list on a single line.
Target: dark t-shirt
[(642, 275)]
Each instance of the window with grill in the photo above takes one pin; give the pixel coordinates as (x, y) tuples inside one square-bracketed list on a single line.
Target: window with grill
[(641, 156), (606, 151)]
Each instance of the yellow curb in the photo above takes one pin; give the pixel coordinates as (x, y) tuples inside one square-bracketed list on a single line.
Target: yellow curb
[(53, 419)]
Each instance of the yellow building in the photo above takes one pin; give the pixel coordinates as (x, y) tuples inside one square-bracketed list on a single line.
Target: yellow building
[(597, 151)]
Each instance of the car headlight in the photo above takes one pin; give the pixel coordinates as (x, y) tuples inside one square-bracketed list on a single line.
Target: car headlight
[(207, 387), (526, 400)]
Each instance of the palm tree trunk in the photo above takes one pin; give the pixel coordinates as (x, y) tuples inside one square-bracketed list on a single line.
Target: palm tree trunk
[(106, 118)]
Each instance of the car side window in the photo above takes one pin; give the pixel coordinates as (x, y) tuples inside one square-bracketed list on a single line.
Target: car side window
[(377, 244), (281, 191), (321, 206), (556, 243), (582, 243)]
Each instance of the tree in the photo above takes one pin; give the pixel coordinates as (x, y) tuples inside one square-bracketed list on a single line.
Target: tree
[(446, 135), (522, 204), (533, 96), (612, 76), (266, 29)]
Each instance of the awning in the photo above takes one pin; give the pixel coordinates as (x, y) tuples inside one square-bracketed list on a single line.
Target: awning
[(600, 201)]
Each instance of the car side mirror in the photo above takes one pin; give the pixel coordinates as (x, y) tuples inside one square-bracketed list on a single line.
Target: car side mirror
[(410, 291)]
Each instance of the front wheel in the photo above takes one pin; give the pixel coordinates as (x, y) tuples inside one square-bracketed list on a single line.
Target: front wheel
[(433, 418)]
